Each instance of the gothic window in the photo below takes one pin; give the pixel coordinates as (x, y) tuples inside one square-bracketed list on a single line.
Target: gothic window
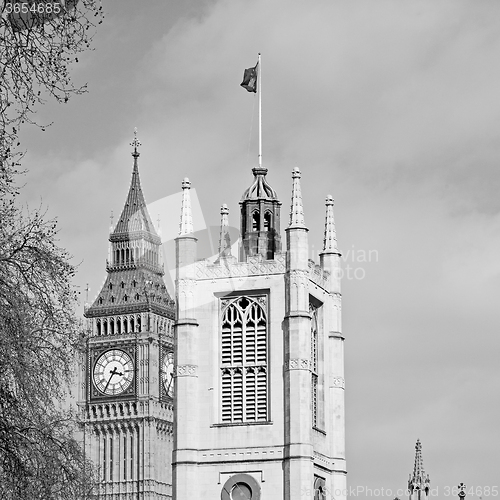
[(244, 361), (98, 327), (255, 221), (132, 326), (122, 284), (110, 458), (111, 286), (134, 283), (105, 324), (138, 323), (125, 297), (125, 325), (125, 457), (100, 301), (119, 326), (314, 363), (104, 458), (267, 221), (111, 326), (319, 488), (131, 456)]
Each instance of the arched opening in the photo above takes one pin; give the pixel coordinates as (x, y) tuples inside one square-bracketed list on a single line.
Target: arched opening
[(125, 325), (122, 256), (132, 325), (267, 221), (139, 324), (98, 328), (127, 256), (119, 326), (111, 327), (105, 325), (256, 221)]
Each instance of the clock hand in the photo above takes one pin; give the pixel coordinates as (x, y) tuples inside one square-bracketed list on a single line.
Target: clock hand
[(169, 384), (114, 371)]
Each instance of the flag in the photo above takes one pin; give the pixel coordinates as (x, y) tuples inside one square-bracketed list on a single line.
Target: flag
[(250, 79)]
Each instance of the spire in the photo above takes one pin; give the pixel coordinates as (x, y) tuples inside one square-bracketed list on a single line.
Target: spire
[(330, 236), (135, 216), (297, 209), (186, 225), (224, 239), (418, 480)]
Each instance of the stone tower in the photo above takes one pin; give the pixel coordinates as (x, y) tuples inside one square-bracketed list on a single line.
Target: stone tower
[(419, 482), (127, 368), (259, 363)]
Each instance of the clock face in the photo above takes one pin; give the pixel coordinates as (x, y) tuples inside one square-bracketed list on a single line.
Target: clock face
[(113, 372), (167, 374)]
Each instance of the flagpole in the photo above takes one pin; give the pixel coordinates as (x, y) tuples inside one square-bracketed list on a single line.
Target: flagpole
[(260, 111)]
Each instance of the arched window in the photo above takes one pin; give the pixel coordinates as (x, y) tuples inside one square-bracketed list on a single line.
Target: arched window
[(125, 325), (127, 255), (256, 221), (139, 323), (319, 488), (132, 325), (118, 326), (111, 326), (267, 221), (105, 325), (98, 325), (122, 256), (244, 360)]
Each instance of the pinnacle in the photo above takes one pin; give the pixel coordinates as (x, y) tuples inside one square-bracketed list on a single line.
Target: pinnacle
[(330, 235), (297, 209), (186, 224)]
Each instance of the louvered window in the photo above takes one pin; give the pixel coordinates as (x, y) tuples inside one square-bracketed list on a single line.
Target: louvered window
[(314, 363), (244, 370)]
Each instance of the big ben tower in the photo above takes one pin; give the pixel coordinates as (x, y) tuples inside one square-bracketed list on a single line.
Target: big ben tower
[(259, 363), (126, 394)]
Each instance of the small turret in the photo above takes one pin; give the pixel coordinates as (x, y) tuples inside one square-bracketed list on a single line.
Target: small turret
[(260, 219)]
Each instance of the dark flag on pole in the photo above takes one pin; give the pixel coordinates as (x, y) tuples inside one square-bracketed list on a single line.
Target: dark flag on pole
[(250, 79)]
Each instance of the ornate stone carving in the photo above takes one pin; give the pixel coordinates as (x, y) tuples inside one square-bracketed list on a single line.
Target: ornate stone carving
[(298, 364), (338, 382), (186, 371), (255, 266)]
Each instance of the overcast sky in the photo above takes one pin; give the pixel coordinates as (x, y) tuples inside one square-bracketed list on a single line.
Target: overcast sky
[(393, 108)]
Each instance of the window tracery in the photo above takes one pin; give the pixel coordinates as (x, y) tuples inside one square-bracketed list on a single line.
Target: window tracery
[(244, 361)]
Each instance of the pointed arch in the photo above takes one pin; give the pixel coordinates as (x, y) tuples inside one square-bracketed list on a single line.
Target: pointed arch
[(256, 221)]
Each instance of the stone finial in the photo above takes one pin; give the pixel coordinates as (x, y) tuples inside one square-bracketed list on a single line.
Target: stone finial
[(135, 144), (186, 224), (224, 239), (461, 491), (330, 236), (297, 209)]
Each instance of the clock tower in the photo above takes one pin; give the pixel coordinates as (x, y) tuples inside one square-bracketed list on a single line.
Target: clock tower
[(126, 386)]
